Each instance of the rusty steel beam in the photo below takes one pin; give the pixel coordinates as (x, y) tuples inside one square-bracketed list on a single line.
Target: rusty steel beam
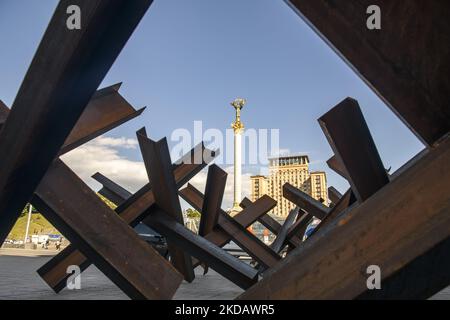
[(334, 195), (158, 165), (279, 242), (305, 201), (263, 254), (235, 228), (299, 227), (422, 278), (271, 224), (404, 229), (128, 261), (214, 190), (4, 111), (335, 165), (97, 125), (106, 110), (350, 138), (237, 272), (111, 190), (72, 64), (348, 200), (132, 211), (259, 208), (246, 217), (355, 154), (411, 77), (245, 203), (225, 264)]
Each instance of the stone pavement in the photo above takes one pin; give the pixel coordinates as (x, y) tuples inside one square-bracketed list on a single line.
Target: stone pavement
[(19, 280)]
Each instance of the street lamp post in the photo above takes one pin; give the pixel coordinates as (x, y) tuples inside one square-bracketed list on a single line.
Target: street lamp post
[(30, 211)]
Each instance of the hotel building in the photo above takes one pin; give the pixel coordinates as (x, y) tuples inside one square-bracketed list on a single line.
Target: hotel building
[(294, 170)]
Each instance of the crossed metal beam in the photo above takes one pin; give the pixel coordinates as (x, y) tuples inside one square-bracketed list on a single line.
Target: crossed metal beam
[(167, 219), (235, 228), (219, 233), (67, 68), (356, 157), (131, 209), (68, 215), (172, 228)]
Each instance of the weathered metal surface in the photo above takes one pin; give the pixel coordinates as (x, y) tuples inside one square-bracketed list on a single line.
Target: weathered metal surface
[(334, 195), (263, 254), (98, 124), (72, 64), (421, 279), (305, 201), (111, 190), (345, 202), (271, 224), (403, 222), (235, 229), (4, 111), (132, 211), (214, 190), (246, 217), (115, 248), (350, 138), (299, 227), (224, 263), (279, 242), (405, 63), (239, 273), (335, 165), (355, 154), (255, 211), (106, 110), (159, 170)]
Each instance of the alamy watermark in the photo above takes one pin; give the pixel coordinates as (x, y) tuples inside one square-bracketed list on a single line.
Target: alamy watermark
[(74, 280), (374, 280), (73, 21), (256, 145), (374, 19)]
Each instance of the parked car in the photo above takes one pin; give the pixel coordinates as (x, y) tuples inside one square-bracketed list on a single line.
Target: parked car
[(153, 238)]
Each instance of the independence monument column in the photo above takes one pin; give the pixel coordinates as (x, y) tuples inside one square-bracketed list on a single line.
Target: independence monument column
[(238, 128)]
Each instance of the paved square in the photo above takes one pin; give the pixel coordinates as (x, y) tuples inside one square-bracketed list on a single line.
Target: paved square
[(19, 280)]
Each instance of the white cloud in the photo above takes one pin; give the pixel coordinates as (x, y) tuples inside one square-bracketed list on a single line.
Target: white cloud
[(102, 155), (199, 181), (122, 142)]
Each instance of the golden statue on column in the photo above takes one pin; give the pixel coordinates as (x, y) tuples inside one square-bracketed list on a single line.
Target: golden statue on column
[(238, 128)]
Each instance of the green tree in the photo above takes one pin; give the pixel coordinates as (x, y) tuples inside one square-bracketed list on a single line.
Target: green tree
[(191, 213), (25, 210)]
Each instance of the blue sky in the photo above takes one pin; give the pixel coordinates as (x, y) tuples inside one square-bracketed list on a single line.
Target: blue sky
[(188, 59)]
